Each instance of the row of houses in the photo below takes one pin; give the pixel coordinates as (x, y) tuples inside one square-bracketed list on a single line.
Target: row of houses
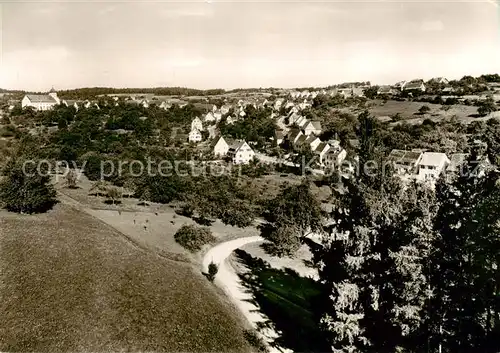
[(424, 165), (330, 154)]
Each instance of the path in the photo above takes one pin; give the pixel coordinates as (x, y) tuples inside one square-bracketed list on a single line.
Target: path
[(228, 280)]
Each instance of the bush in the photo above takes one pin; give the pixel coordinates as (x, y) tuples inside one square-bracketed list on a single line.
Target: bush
[(212, 271), (424, 109), (193, 237), (25, 190), (255, 341)]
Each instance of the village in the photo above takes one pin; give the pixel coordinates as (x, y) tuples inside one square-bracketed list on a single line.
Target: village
[(293, 130)]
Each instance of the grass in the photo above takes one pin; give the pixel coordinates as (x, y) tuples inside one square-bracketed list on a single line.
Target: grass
[(68, 282)]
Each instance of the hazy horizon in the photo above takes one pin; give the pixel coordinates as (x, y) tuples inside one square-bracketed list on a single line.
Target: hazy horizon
[(208, 45)]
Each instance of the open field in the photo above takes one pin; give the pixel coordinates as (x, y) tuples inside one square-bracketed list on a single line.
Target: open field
[(408, 110), (68, 282)]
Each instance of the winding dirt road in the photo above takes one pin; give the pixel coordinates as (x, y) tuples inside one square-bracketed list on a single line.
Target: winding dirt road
[(228, 280)]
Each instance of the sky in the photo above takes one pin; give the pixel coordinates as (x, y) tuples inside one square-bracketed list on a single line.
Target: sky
[(239, 44)]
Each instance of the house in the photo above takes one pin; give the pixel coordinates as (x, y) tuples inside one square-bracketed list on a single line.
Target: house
[(321, 151), (405, 162), (224, 109), (294, 135), (448, 89), (196, 124), (218, 116), (293, 118), (212, 132), (304, 105), (312, 127), (439, 81), (221, 147), (240, 152), (71, 103), (165, 105), (312, 141), (401, 85), (280, 137), (415, 86), (387, 90), (230, 120), (209, 117), (301, 140), (301, 122), (41, 101), (334, 157), (194, 135), (431, 165), (278, 103)]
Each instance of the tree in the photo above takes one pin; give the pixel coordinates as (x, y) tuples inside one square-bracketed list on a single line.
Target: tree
[(283, 239), (424, 109), (212, 271), (373, 267), (25, 189), (292, 215), (193, 237), (464, 310), (71, 179), (487, 106), (114, 194)]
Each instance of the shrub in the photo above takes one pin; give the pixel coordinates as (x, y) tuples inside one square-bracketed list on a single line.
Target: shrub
[(255, 341), (212, 271), (193, 237), (424, 109), (25, 190)]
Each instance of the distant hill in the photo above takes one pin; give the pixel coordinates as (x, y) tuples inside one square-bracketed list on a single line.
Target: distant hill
[(92, 92)]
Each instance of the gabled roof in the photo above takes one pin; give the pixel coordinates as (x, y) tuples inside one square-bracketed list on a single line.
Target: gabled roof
[(404, 157), (41, 98), (236, 145), (433, 159), (311, 138), (321, 147), (292, 135), (316, 125), (302, 139)]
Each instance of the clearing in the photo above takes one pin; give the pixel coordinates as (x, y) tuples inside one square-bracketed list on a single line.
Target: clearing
[(68, 282)]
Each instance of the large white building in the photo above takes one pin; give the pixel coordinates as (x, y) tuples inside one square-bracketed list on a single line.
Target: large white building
[(41, 101)]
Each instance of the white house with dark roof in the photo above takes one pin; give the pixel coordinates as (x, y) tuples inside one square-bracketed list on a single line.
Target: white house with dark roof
[(240, 152), (415, 86), (312, 127), (432, 165), (321, 151), (41, 101), (312, 141)]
